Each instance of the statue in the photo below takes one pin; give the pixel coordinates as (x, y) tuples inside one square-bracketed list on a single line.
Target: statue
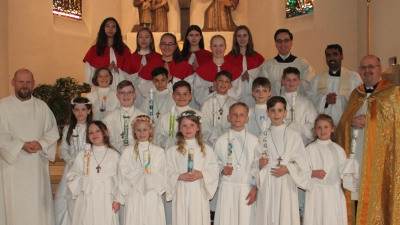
[(218, 16), (145, 14), (160, 9)]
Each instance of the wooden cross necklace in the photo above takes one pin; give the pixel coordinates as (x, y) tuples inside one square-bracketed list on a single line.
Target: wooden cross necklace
[(159, 108), (98, 167), (221, 111), (276, 149)]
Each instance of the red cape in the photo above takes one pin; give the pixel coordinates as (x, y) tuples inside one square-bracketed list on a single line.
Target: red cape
[(252, 61), (202, 56), (132, 63), (180, 70), (208, 70), (98, 61)]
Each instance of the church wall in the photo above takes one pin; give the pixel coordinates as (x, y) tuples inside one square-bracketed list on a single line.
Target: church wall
[(334, 22), (4, 74)]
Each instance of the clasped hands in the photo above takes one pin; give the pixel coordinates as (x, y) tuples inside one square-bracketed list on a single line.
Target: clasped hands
[(331, 98), (190, 177), (32, 147)]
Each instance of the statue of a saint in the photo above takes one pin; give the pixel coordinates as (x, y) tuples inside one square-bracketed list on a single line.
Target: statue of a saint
[(145, 14), (160, 9), (218, 16)]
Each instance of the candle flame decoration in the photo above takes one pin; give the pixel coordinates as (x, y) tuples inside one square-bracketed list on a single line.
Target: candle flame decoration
[(230, 148), (146, 161), (87, 160), (151, 103), (126, 129), (190, 160)]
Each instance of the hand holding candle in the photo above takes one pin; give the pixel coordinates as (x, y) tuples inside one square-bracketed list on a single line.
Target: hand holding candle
[(354, 136)]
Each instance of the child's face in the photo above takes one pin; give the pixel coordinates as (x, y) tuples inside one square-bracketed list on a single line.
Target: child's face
[(126, 96), (188, 128), (238, 116), (291, 82), (81, 112), (324, 129), (142, 130), (261, 94), (182, 96), (95, 135), (277, 114), (160, 81), (218, 47), (222, 84), (104, 79), (144, 39)]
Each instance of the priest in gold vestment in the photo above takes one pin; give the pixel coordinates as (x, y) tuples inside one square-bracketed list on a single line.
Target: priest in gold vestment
[(372, 116)]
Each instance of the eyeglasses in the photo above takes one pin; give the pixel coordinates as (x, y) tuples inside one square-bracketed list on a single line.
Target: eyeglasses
[(129, 93), (280, 41), (370, 67), (169, 45)]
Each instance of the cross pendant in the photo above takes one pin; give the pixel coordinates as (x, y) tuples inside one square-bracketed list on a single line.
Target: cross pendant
[(237, 166), (122, 135), (98, 168), (279, 160), (158, 114), (102, 110), (220, 111)]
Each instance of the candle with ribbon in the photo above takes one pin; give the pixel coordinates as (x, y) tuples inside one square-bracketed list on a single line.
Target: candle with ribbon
[(354, 136), (151, 103), (292, 110), (126, 128), (87, 159), (75, 140), (190, 160), (230, 148), (214, 112), (146, 161), (264, 138), (172, 121)]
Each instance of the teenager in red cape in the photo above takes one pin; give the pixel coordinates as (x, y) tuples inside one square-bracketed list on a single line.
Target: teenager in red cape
[(193, 48)]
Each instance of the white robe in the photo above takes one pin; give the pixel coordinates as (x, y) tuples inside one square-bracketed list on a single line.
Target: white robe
[(305, 115), (102, 98), (223, 102), (115, 124), (190, 200), (325, 203), (232, 208), (162, 103), (25, 190), (273, 70), (63, 202), (142, 192), (277, 201), (319, 100), (247, 86), (95, 193), (254, 126)]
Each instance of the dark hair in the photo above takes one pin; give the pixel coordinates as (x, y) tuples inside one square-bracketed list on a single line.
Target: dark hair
[(290, 70), (159, 71), (101, 41), (224, 73), (186, 43), (72, 121), (335, 46), (276, 99), (96, 75), (239, 104), (103, 128), (235, 45), (261, 81), (176, 56), (125, 83), (181, 83), (283, 31), (151, 46)]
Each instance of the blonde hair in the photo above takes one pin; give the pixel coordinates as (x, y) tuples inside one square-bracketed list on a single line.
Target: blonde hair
[(191, 115), (326, 118), (142, 118)]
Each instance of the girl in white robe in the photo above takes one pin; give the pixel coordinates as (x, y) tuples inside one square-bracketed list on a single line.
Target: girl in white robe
[(325, 203), (142, 188), (192, 178), (93, 180), (73, 140)]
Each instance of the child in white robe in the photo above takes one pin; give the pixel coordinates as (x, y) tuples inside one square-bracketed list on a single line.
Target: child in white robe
[(192, 173), (102, 97), (122, 117), (143, 184), (237, 189), (162, 98), (286, 169), (93, 180), (325, 203), (73, 140), (261, 91)]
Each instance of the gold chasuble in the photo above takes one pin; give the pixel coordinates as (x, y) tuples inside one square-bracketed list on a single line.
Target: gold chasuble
[(379, 194)]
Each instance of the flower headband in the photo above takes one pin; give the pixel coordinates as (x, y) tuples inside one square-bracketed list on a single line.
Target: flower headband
[(187, 114), (142, 118), (76, 103)]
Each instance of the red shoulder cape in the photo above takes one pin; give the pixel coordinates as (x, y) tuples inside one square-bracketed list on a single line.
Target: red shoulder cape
[(252, 61), (202, 56), (132, 63), (180, 70), (98, 61), (208, 70)]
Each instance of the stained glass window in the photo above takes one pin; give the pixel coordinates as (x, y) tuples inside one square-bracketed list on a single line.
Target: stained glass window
[(299, 7), (68, 8)]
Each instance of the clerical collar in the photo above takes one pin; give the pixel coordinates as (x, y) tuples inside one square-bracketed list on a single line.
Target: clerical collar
[(370, 89), (144, 52), (334, 73), (288, 59)]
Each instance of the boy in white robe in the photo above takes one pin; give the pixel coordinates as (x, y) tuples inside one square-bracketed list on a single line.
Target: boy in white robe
[(261, 91), (162, 99), (286, 169), (237, 190)]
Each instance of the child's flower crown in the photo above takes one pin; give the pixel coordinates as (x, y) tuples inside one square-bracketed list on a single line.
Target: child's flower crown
[(143, 118), (187, 114), (76, 103)]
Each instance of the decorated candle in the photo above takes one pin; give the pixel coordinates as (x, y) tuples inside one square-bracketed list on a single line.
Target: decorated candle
[(146, 161), (126, 129), (87, 159), (190, 160), (354, 136), (214, 112), (293, 105), (74, 133), (264, 139), (230, 148), (172, 121), (151, 103)]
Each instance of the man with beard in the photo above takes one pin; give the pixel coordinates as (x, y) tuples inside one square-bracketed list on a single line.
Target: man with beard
[(28, 137), (368, 131), (330, 90)]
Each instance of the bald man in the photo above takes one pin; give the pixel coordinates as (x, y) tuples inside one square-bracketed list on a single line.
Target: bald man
[(28, 137), (370, 122)]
